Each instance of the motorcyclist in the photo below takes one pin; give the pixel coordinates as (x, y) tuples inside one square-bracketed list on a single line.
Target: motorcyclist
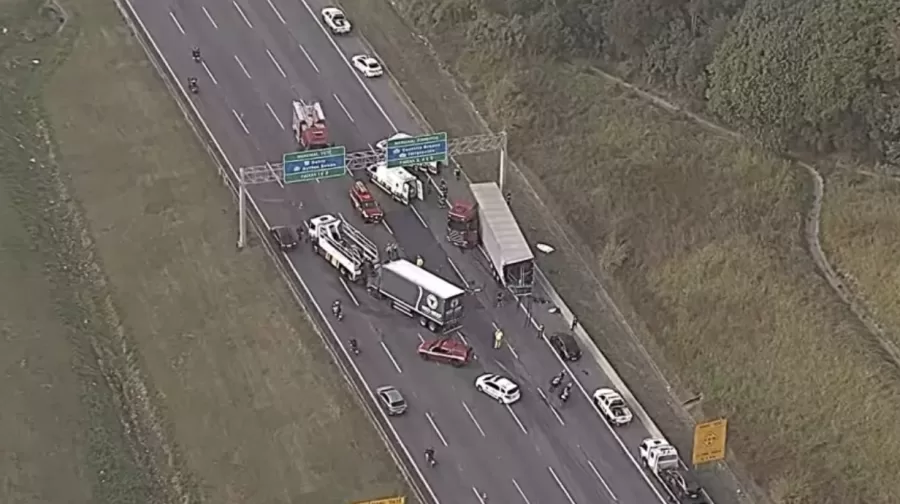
[(196, 53), (556, 381), (443, 188), (192, 84), (336, 308), (429, 455), (564, 395), (354, 346)]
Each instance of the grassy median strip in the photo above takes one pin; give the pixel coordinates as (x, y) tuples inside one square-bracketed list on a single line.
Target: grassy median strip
[(699, 238), (225, 391)]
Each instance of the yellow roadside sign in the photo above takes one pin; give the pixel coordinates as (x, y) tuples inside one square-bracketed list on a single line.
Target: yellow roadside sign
[(386, 500), (709, 441)]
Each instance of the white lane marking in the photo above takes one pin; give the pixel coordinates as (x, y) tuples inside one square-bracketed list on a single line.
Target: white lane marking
[(275, 62), (524, 498), (516, 418), (458, 273), (175, 20), (241, 12), (546, 400), (278, 179), (275, 9), (418, 215), (477, 425), (339, 102), (274, 115), (389, 230), (462, 338), (209, 17), (309, 58), (479, 495), (512, 350), (561, 486), (609, 372), (421, 339), (391, 356), (349, 292), (241, 121), (435, 427), (241, 64), (495, 325), (349, 65), (209, 72), (603, 481)]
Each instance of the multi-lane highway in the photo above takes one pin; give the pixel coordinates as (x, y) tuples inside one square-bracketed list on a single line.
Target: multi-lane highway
[(258, 56)]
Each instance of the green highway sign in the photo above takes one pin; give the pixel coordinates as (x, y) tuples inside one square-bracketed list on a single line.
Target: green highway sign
[(315, 164), (419, 150)]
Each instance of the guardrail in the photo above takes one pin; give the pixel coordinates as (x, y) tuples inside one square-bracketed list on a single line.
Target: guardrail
[(230, 178)]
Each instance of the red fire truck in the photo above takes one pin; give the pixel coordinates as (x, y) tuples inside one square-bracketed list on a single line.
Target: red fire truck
[(310, 131), (365, 203)]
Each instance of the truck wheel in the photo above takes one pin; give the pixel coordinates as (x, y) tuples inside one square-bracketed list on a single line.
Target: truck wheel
[(432, 326), (423, 322), (343, 272)]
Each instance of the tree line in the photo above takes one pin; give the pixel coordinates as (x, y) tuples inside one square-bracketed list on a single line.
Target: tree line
[(812, 75)]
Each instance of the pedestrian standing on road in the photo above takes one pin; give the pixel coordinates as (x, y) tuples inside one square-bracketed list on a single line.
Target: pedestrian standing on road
[(499, 301), (457, 173), (498, 338), (574, 323), (419, 261), (508, 198), (540, 331)]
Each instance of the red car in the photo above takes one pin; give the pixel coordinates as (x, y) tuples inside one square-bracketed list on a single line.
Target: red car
[(365, 203), (446, 350)]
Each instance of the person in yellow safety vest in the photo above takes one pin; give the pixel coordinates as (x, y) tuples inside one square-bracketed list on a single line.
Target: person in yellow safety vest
[(498, 338), (419, 261)]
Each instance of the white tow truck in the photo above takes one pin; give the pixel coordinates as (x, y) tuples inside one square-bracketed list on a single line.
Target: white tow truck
[(398, 182), (343, 246), (661, 458)]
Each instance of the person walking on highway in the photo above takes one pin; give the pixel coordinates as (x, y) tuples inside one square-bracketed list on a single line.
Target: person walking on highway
[(419, 261), (457, 173), (498, 338), (499, 301)]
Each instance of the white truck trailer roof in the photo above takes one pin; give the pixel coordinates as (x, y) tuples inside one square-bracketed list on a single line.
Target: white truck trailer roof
[(503, 225), (427, 280)]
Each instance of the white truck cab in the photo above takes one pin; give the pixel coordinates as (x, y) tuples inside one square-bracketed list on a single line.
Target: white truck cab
[(398, 182), (658, 455)]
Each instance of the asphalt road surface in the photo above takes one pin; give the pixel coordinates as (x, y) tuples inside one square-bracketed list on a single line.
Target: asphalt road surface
[(257, 57)]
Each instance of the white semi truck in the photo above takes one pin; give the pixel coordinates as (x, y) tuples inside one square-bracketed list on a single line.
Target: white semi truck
[(402, 185), (343, 246), (502, 241), (416, 292)]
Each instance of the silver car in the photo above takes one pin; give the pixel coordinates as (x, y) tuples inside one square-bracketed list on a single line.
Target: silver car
[(391, 399)]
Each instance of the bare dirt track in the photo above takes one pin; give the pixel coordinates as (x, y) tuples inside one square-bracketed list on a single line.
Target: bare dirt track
[(146, 359)]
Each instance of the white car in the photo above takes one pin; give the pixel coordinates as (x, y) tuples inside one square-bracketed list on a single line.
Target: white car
[(336, 21), (369, 66), (498, 387), (612, 406), (382, 145)]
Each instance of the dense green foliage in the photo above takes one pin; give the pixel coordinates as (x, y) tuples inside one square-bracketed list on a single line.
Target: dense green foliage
[(821, 75)]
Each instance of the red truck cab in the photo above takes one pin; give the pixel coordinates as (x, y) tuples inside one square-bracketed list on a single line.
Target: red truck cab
[(365, 203), (462, 225)]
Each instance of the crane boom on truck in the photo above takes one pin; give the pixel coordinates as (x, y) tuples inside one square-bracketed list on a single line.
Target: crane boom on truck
[(502, 241), (414, 291), (403, 186), (343, 246), (308, 124)]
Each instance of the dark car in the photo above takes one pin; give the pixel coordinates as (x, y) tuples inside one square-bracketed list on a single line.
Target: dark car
[(684, 486), (285, 237), (566, 346)]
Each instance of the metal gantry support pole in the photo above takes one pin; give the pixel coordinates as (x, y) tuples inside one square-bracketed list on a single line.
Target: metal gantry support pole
[(242, 211), (502, 181)]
